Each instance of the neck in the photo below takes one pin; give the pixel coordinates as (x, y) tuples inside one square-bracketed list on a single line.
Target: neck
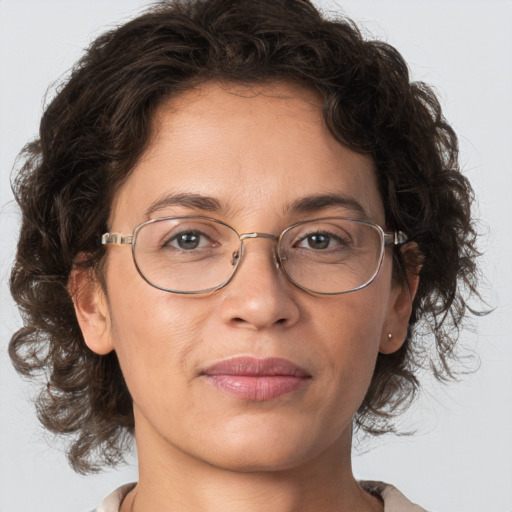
[(173, 481)]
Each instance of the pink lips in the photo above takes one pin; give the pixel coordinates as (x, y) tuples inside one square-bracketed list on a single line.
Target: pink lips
[(256, 379)]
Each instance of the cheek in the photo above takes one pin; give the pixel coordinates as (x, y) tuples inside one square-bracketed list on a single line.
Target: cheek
[(350, 329), (154, 332), (352, 323), (351, 344)]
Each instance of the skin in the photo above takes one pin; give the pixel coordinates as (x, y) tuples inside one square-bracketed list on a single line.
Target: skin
[(256, 151)]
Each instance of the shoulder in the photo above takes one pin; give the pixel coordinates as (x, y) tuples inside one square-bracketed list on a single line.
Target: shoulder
[(394, 500), (113, 501)]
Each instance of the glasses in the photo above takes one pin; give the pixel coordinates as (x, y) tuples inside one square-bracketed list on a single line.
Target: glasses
[(195, 254)]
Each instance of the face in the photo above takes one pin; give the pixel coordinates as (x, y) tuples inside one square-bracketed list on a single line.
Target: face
[(190, 360)]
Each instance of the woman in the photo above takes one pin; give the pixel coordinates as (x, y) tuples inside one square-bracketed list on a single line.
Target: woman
[(294, 208)]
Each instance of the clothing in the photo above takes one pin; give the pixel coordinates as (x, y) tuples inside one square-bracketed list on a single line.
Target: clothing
[(112, 503), (394, 500)]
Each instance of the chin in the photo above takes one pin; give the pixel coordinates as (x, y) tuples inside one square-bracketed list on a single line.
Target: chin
[(276, 451), (264, 461)]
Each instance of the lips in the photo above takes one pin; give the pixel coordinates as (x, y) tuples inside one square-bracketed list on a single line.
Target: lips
[(256, 379)]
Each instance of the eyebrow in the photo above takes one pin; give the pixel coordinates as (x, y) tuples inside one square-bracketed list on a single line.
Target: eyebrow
[(189, 200), (310, 204), (307, 204)]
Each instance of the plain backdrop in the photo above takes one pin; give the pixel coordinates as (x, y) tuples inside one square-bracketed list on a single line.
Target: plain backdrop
[(460, 459)]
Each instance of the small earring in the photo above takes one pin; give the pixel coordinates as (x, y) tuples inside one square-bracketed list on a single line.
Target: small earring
[(389, 336)]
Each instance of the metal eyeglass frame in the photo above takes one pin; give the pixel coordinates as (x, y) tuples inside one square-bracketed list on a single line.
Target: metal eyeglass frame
[(396, 238)]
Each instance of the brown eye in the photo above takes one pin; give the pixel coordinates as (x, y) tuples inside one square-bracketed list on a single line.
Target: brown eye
[(188, 241), (318, 241)]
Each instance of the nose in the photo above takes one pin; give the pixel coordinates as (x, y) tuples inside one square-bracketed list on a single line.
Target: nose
[(259, 296)]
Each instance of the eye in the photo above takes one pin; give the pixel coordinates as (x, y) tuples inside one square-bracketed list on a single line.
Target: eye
[(320, 241), (317, 241), (188, 241)]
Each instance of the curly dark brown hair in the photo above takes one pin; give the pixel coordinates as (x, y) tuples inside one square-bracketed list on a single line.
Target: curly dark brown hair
[(97, 126)]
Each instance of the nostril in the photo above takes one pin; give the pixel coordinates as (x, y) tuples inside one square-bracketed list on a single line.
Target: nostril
[(239, 320)]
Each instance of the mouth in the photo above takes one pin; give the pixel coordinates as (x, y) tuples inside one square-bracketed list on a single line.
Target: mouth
[(255, 379)]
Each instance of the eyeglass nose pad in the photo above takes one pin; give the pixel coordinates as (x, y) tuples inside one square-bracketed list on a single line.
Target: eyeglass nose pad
[(279, 259), (235, 258)]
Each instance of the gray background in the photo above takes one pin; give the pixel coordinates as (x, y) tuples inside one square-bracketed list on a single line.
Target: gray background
[(461, 457)]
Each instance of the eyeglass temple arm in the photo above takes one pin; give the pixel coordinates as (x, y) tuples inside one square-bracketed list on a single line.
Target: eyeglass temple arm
[(115, 239), (396, 238)]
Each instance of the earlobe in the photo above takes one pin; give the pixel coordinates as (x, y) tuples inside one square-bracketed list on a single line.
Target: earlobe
[(91, 309), (400, 306)]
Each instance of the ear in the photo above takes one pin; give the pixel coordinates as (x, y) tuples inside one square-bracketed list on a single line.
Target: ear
[(400, 302), (91, 308)]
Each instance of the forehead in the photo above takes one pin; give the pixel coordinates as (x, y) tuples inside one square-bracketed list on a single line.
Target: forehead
[(254, 149)]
